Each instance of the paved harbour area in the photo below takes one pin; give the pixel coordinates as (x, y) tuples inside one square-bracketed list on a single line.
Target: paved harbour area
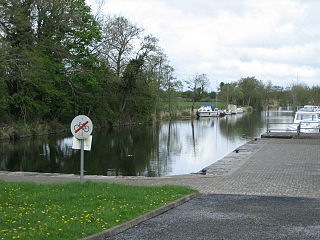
[(266, 189)]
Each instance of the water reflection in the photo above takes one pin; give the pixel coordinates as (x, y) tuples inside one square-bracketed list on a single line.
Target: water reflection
[(243, 125), (166, 148)]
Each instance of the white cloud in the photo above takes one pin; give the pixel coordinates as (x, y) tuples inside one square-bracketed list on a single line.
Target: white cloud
[(268, 68), (227, 40)]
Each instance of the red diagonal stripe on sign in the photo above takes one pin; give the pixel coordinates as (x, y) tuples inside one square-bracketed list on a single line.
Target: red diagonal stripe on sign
[(82, 126)]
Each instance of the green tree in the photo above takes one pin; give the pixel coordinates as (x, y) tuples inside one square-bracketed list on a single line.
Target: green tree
[(80, 66), (197, 86), (136, 98), (117, 45), (48, 65), (315, 95), (300, 95), (170, 86), (226, 92), (253, 91)]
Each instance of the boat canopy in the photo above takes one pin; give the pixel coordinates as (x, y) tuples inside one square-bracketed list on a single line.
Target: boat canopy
[(209, 105)]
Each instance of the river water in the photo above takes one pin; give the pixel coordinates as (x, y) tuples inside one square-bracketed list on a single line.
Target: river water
[(162, 149)]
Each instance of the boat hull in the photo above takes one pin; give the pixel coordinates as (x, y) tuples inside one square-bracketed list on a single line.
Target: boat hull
[(207, 114)]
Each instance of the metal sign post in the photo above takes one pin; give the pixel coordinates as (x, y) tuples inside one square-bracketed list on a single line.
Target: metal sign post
[(81, 128), (81, 161)]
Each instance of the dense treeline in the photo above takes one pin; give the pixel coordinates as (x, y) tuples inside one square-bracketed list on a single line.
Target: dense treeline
[(252, 92), (58, 60)]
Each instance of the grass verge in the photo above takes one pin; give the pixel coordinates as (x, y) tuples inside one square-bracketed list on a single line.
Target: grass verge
[(71, 210)]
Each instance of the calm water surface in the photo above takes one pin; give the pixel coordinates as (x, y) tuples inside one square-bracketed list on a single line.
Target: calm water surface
[(166, 148)]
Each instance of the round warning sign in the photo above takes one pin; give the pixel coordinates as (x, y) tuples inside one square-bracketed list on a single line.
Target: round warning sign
[(81, 127)]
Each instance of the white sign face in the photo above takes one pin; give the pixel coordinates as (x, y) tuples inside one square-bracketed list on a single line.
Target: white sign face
[(76, 144), (81, 127)]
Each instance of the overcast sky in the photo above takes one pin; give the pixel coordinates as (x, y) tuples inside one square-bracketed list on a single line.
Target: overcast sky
[(277, 41)]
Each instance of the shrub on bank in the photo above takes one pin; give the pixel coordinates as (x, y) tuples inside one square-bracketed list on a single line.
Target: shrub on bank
[(18, 129)]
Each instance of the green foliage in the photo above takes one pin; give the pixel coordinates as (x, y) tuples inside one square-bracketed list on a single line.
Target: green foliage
[(58, 61), (315, 95), (300, 94), (46, 63), (74, 210), (252, 92)]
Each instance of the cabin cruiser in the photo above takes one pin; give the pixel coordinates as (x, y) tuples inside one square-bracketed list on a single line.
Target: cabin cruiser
[(208, 110), (308, 118)]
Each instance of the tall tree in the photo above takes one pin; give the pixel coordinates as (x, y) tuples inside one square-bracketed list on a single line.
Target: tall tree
[(197, 86), (170, 86), (253, 91), (315, 95), (119, 36), (300, 94), (46, 63)]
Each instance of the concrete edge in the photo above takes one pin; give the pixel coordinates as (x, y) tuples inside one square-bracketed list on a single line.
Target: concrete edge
[(126, 225), (234, 159)]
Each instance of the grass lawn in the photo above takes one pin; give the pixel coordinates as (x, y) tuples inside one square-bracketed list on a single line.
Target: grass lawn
[(71, 210)]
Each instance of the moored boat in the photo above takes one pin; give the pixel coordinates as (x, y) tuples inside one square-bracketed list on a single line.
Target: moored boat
[(232, 108), (239, 110), (308, 118), (208, 110)]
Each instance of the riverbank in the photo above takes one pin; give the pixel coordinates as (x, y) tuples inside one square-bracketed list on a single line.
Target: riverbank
[(17, 130)]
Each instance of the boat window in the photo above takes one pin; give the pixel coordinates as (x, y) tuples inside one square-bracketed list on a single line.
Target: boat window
[(306, 117)]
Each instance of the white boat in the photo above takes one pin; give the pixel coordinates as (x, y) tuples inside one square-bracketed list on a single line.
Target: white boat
[(232, 108), (207, 110), (239, 110), (227, 112), (308, 119)]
